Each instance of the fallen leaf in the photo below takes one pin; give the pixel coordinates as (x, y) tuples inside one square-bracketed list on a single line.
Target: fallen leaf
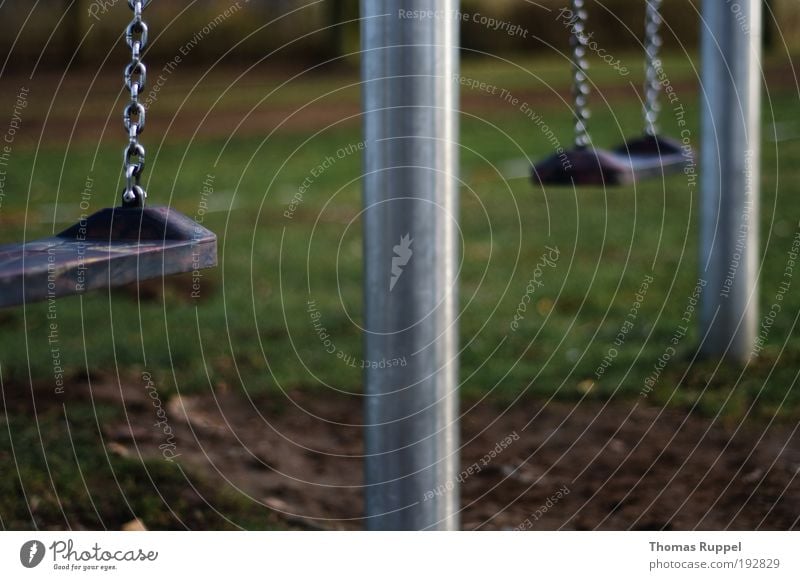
[(118, 449), (135, 525)]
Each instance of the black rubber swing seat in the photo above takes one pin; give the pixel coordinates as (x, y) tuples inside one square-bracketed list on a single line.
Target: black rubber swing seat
[(647, 157), (113, 247)]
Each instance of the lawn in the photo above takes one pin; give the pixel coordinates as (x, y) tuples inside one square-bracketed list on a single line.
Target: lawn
[(250, 329)]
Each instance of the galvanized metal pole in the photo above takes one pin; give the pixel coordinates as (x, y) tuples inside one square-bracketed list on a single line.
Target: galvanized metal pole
[(410, 97), (730, 158)]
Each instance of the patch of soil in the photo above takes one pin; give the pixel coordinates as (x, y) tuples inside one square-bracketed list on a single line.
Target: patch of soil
[(42, 124), (617, 466)]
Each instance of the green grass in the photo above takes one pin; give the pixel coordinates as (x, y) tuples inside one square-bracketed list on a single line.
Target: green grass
[(251, 330)]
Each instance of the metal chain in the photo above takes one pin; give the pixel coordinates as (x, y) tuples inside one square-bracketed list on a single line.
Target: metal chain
[(652, 86), (133, 115), (580, 81)]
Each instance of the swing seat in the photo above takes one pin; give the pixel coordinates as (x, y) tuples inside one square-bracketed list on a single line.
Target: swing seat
[(644, 158), (653, 156), (113, 247)]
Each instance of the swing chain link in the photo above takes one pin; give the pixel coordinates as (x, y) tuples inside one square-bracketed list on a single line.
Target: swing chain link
[(652, 85), (580, 81), (133, 116)]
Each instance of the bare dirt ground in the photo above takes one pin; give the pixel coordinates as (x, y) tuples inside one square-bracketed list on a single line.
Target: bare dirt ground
[(615, 466), (54, 121)]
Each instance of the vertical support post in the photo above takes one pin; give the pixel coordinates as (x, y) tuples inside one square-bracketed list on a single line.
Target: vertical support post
[(730, 158), (410, 100)]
